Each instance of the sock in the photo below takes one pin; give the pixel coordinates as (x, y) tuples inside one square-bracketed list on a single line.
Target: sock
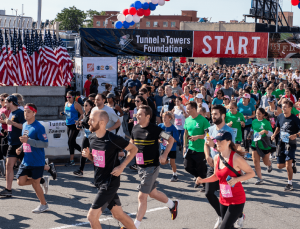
[(170, 204), (42, 181), (175, 174), (137, 223), (290, 182)]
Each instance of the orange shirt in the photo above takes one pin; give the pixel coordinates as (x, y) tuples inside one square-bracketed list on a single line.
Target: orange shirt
[(184, 99)]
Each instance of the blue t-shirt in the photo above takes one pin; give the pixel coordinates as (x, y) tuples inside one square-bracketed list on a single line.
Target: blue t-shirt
[(252, 101), (34, 131), (217, 101), (173, 132), (213, 133), (13, 136), (246, 110)]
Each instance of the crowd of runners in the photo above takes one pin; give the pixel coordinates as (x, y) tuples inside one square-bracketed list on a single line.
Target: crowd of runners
[(215, 117)]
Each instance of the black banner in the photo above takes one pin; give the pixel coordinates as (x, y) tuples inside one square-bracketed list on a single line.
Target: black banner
[(128, 42)]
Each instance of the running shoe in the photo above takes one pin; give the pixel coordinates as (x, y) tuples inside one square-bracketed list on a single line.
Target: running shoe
[(2, 167), (248, 156), (46, 184), (52, 171), (218, 223), (6, 193), (288, 187), (41, 208), (259, 181), (202, 189), (294, 166), (240, 222), (70, 163), (196, 185), (78, 173), (174, 210), (133, 167), (270, 168), (174, 178)]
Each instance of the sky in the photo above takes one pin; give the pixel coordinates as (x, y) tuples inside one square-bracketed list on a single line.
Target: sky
[(217, 10)]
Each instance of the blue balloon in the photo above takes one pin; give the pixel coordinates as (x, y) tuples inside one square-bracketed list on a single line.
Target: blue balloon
[(145, 5), (118, 25), (132, 5), (299, 5), (131, 23), (138, 5), (156, 4), (126, 25), (152, 7)]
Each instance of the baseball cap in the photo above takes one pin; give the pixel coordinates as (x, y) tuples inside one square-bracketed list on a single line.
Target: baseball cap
[(226, 96), (223, 135), (131, 84), (110, 95), (246, 96), (199, 96), (13, 99), (271, 99)]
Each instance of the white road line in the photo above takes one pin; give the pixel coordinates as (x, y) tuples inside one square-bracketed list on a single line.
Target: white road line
[(105, 219)]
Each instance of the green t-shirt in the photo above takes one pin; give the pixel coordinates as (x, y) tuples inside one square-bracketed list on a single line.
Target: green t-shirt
[(258, 126), (236, 123), (295, 111), (279, 92), (273, 93), (196, 127)]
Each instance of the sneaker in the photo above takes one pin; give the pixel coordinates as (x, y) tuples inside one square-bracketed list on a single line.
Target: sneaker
[(6, 193), (78, 173), (174, 178), (2, 167), (259, 181), (294, 166), (196, 185), (240, 222), (133, 167), (270, 168), (70, 163), (174, 210), (248, 156), (288, 187), (218, 223), (46, 184), (52, 171), (202, 189), (41, 208), (194, 178)]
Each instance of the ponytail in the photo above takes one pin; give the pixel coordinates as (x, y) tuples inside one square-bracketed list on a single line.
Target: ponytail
[(232, 146)]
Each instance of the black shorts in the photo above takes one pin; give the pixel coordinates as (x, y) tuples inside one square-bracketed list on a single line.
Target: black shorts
[(11, 152), (264, 151), (282, 158), (107, 196), (172, 154), (35, 172)]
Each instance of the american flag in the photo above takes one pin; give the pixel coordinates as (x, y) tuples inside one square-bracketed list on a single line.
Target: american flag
[(6, 79), (27, 43), (22, 58), (36, 70), (2, 63), (13, 59)]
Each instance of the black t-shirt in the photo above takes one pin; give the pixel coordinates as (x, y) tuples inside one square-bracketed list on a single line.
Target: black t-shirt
[(129, 101), (13, 135), (111, 144), (170, 101), (151, 104), (290, 125), (146, 140)]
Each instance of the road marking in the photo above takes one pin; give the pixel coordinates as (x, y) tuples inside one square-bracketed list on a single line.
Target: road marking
[(105, 219)]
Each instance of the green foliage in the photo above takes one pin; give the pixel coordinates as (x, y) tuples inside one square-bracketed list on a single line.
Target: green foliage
[(71, 18), (90, 14)]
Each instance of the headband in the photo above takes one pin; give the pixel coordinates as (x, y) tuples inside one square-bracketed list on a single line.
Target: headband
[(30, 108)]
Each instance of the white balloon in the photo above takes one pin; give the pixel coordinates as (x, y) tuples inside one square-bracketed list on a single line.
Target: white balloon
[(121, 17), (161, 2), (154, 1), (129, 18), (136, 18)]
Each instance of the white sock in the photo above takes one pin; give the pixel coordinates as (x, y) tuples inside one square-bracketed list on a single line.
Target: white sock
[(290, 182), (170, 204), (174, 174), (137, 223)]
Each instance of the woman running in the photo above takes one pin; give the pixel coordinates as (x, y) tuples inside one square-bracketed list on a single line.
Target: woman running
[(219, 99), (72, 112), (232, 195)]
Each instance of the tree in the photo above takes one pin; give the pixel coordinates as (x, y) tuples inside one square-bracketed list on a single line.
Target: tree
[(70, 18), (90, 14)]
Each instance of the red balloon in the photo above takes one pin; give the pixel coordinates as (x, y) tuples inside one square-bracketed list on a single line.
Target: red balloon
[(140, 12), (295, 2), (132, 10), (125, 12), (147, 12)]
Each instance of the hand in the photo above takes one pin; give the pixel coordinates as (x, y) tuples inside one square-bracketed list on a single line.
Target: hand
[(242, 124), (232, 181), (117, 171), (126, 109), (229, 124), (193, 138), (61, 113), (130, 121), (8, 122), (273, 137), (86, 152), (246, 117), (199, 180), (162, 159), (210, 162), (23, 139), (209, 142), (18, 151), (293, 137), (262, 132)]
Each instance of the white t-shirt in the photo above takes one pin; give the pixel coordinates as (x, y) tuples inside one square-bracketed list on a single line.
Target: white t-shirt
[(113, 117), (179, 118)]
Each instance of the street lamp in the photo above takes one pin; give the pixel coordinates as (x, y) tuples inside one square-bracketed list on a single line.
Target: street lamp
[(106, 20)]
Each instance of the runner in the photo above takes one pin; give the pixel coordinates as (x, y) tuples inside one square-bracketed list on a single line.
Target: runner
[(105, 147), (87, 84), (34, 139), (232, 194), (158, 99), (145, 136)]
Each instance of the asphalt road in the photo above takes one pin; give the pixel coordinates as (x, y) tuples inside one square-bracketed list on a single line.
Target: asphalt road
[(70, 198)]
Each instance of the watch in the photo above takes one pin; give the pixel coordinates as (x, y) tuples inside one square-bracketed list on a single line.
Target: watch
[(297, 135)]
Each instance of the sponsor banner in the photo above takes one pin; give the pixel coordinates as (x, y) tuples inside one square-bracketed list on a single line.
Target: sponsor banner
[(102, 68), (78, 74), (56, 127), (128, 42), (230, 44), (284, 45)]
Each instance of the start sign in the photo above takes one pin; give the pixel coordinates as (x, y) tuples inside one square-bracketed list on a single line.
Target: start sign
[(230, 44)]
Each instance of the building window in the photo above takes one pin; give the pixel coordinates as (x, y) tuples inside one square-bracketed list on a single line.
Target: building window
[(113, 23), (148, 24), (155, 24), (103, 23), (165, 24), (138, 24), (98, 23), (173, 24)]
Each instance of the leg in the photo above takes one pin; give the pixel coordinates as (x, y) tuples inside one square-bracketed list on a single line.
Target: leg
[(232, 214), (246, 141), (23, 181), (38, 190), (210, 189), (256, 160), (281, 166), (189, 164), (121, 216), (201, 166), (10, 171), (161, 197), (72, 133), (93, 217), (289, 169), (142, 207), (173, 165), (266, 160)]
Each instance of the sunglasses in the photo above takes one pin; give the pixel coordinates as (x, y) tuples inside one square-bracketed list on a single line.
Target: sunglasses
[(225, 99), (219, 93), (68, 97), (2, 100), (141, 94), (138, 101), (85, 105)]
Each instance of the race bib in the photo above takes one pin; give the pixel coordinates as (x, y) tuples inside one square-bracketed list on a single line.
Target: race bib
[(166, 108), (272, 120), (9, 127), (134, 123), (26, 148), (139, 158), (99, 158), (284, 136), (225, 190), (257, 137), (131, 113), (164, 143), (178, 121), (234, 130), (159, 108)]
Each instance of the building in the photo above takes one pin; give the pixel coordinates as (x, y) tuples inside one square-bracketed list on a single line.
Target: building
[(13, 21), (288, 16), (159, 22)]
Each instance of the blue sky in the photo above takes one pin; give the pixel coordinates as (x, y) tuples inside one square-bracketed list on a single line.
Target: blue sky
[(218, 10)]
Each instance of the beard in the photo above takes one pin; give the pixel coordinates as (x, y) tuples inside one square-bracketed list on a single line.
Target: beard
[(217, 121), (94, 128)]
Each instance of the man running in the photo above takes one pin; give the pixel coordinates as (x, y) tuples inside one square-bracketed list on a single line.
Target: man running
[(105, 147), (289, 127), (34, 139), (145, 136)]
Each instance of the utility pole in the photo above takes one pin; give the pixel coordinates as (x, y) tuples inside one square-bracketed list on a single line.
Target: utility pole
[(39, 15), (277, 15)]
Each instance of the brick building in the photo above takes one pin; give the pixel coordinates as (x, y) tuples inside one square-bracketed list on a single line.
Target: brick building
[(161, 22)]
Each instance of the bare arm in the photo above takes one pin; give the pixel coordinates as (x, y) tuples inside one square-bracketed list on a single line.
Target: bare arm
[(164, 156), (117, 124), (17, 125), (78, 108)]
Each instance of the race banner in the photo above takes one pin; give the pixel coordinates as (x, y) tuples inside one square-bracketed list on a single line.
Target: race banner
[(284, 45), (230, 44)]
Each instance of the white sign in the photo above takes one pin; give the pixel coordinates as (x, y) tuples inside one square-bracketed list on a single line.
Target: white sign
[(78, 74), (102, 68), (57, 127)]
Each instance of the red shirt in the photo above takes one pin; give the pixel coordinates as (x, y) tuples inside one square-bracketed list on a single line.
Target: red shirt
[(87, 85), (229, 195), (6, 112)]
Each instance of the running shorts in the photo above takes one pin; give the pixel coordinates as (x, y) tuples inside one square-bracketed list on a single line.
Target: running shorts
[(148, 178), (35, 172)]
